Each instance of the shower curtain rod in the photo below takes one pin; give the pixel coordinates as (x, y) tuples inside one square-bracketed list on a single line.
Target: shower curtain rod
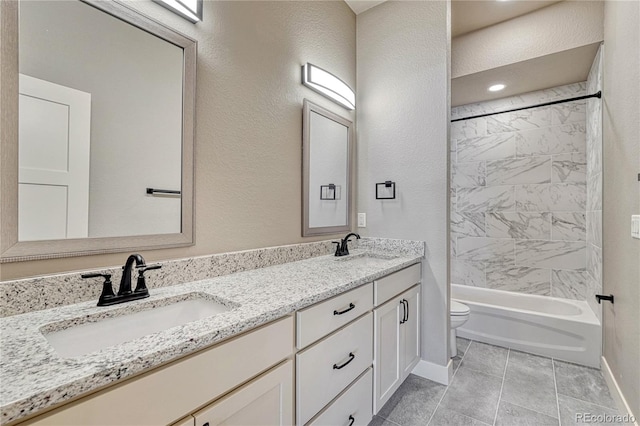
[(578, 98)]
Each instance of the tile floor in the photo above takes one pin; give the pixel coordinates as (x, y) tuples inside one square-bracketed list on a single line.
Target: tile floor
[(497, 386)]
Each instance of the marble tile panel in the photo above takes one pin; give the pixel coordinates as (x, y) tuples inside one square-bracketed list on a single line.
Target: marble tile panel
[(569, 284), (528, 119), (445, 417), (520, 279), (453, 198), (468, 273), (492, 147), (469, 128), (573, 411), (552, 197), (474, 394), (584, 383), (525, 99), (594, 287), (488, 359), (569, 112), (467, 224), (414, 402), (594, 79), (468, 174), (594, 136), (552, 140), (453, 148), (519, 170), (482, 199), (594, 262), (594, 228), (568, 226), (518, 225), (594, 192), (490, 250), (569, 168), (551, 254), (512, 415)]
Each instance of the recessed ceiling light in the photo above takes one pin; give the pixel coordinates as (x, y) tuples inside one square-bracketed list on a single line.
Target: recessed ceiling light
[(496, 87)]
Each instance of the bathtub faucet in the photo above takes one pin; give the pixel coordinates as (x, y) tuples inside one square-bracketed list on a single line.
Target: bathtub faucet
[(601, 297)]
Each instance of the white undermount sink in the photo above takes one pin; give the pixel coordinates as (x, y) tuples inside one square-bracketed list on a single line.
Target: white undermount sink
[(82, 339), (366, 257)]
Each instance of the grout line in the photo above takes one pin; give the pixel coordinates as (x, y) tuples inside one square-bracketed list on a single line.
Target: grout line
[(452, 377), (555, 385), (495, 418)]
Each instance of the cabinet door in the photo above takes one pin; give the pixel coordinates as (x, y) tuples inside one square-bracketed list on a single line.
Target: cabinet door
[(267, 400), (410, 331), (386, 366)]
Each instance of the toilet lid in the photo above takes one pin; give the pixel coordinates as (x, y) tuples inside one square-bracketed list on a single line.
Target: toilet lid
[(458, 308)]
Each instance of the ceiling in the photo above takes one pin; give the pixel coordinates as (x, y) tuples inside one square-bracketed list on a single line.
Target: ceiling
[(557, 69), (472, 15)]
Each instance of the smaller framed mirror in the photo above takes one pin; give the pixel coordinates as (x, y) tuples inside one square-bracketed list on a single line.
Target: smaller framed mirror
[(326, 182)]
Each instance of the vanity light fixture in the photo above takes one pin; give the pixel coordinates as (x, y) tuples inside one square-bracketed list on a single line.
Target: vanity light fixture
[(329, 85), (190, 10), (496, 87)]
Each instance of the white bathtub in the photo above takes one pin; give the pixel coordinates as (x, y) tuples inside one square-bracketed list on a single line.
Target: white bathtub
[(549, 326)]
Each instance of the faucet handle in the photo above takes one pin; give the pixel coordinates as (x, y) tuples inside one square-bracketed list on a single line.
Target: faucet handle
[(107, 287), (338, 244), (141, 285)]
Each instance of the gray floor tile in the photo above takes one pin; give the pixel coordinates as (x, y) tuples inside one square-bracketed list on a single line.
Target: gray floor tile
[(446, 417), (571, 409), (414, 402), (584, 383), (529, 383), (456, 362), (379, 421), (462, 344), (510, 415), (488, 359), (473, 394), (521, 361)]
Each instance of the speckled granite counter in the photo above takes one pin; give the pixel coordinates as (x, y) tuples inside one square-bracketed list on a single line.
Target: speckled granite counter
[(34, 377)]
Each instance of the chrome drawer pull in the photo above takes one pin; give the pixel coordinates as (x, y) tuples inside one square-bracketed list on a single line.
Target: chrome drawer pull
[(351, 358), (351, 420), (351, 306)]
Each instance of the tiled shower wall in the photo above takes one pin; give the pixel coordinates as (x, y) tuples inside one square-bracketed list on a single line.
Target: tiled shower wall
[(594, 185), (519, 196)]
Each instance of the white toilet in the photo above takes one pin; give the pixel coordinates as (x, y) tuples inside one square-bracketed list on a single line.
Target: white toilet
[(459, 315)]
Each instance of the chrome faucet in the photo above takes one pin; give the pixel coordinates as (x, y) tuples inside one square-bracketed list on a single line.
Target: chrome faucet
[(124, 292), (342, 249)]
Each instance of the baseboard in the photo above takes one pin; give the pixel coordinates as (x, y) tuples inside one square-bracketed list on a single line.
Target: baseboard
[(615, 391), (436, 372)]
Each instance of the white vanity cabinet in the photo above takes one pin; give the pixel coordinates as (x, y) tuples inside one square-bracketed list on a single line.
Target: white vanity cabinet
[(327, 368), (396, 332), (173, 391)]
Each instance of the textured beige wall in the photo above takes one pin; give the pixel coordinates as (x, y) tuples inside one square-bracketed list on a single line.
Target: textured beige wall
[(561, 26), (403, 116), (249, 121), (621, 194)]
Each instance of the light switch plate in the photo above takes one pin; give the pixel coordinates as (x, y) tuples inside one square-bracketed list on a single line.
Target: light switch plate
[(635, 226), (362, 220)]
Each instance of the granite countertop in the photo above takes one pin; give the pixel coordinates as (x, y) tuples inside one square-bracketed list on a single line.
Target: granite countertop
[(34, 377)]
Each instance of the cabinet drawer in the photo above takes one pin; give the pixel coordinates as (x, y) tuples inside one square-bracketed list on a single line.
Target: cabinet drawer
[(319, 320), (354, 403), (326, 368), (391, 285)]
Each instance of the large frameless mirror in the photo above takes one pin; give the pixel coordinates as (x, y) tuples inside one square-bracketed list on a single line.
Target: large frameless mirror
[(99, 157)]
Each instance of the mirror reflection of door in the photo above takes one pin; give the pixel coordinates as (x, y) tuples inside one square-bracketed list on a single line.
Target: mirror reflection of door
[(54, 135)]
